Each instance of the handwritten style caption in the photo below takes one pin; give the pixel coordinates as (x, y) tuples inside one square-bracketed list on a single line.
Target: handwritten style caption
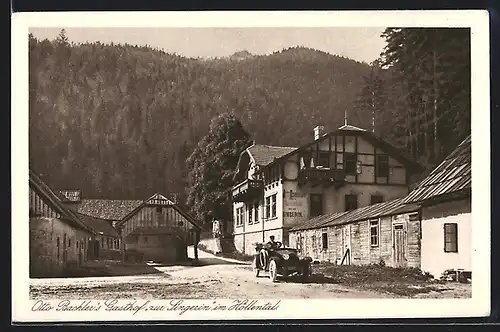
[(135, 306)]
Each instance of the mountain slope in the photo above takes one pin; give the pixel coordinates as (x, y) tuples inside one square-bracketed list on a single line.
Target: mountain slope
[(119, 120)]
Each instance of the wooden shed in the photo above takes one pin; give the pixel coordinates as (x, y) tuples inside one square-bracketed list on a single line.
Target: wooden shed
[(387, 232)]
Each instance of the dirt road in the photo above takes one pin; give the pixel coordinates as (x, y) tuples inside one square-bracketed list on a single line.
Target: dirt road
[(215, 278)]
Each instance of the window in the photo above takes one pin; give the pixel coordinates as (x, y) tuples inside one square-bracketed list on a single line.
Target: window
[(316, 205), (375, 199), (350, 163), (324, 240), (273, 205), (69, 243), (351, 202), (450, 237), (57, 243), (256, 213), (305, 160), (267, 207), (239, 216), (77, 244), (250, 214), (145, 239), (158, 209), (324, 159), (382, 164), (374, 230)]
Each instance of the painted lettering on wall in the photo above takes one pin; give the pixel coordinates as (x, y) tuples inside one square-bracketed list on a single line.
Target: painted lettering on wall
[(295, 206)]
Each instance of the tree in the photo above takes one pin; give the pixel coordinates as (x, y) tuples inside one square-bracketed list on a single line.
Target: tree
[(211, 168), (432, 65)]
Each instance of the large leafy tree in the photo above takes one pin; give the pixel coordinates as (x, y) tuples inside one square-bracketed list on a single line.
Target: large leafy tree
[(211, 168)]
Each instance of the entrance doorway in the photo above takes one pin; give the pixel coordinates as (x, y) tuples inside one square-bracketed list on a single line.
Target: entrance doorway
[(399, 245)]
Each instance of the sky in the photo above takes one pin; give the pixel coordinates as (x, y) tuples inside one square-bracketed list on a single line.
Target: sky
[(361, 44)]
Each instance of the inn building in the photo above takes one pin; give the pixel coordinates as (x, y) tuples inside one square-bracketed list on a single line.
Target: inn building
[(278, 188)]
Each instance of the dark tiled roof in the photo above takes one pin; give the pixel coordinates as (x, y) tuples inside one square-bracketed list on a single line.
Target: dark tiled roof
[(110, 209), (451, 176), (67, 214), (368, 212), (101, 226), (265, 154)]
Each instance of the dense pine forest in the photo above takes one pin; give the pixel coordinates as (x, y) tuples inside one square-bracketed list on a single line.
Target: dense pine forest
[(120, 121)]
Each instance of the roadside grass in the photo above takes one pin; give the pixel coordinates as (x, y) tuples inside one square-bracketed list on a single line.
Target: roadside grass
[(398, 281)]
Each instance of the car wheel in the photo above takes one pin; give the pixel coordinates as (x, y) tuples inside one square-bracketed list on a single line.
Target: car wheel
[(273, 271)]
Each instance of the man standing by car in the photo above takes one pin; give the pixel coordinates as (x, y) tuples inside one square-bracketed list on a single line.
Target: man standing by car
[(272, 244)]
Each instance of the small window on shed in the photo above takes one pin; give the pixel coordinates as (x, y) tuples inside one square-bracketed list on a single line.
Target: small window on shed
[(374, 231), (324, 240), (451, 237)]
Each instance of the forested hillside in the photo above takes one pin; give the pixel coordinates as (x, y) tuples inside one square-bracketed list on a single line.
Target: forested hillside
[(120, 120)]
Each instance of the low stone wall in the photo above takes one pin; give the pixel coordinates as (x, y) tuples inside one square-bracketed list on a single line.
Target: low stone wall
[(212, 245)]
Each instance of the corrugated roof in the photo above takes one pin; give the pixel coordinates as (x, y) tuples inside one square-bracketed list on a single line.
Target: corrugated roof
[(101, 226), (317, 222), (67, 214), (110, 209), (265, 154), (451, 176), (368, 212)]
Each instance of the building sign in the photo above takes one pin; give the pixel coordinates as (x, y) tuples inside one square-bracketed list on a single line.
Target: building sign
[(295, 206)]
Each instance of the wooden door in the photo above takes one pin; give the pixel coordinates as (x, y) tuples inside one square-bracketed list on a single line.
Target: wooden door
[(399, 246), (346, 244), (65, 250)]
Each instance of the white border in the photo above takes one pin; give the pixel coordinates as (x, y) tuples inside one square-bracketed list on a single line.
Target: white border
[(477, 20)]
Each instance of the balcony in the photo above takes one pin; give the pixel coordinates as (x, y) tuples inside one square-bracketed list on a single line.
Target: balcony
[(248, 191), (325, 176)]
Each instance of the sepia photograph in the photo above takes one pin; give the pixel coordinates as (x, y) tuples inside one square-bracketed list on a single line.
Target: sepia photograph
[(222, 167)]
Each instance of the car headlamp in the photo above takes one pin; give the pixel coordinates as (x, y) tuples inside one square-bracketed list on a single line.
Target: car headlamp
[(286, 256)]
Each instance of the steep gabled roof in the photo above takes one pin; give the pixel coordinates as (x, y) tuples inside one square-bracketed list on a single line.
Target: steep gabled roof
[(45, 191), (452, 176), (101, 226), (159, 199), (109, 209), (263, 155), (394, 152), (378, 210)]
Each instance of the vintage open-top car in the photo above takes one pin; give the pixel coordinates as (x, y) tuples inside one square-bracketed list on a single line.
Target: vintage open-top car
[(280, 261)]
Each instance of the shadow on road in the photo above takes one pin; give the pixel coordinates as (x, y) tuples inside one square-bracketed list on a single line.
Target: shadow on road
[(313, 279), (214, 261)]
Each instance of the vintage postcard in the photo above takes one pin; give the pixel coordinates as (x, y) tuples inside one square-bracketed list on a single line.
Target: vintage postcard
[(250, 165)]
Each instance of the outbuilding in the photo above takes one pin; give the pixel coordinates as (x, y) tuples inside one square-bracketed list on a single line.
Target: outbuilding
[(385, 233), (59, 239), (445, 197)]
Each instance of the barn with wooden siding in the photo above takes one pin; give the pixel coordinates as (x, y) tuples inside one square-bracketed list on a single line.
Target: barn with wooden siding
[(158, 230), (445, 197), (59, 239), (388, 232)]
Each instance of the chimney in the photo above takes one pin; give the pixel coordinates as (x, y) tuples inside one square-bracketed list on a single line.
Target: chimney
[(318, 132)]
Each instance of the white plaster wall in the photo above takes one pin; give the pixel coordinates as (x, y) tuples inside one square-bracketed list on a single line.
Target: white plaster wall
[(434, 259)]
